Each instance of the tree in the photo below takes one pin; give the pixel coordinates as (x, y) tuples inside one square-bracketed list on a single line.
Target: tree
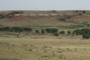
[(4, 28), (56, 34), (37, 31), (42, 31), (62, 32), (27, 29), (77, 32), (17, 30), (51, 30), (83, 11), (48, 30), (86, 36), (68, 32), (84, 32)]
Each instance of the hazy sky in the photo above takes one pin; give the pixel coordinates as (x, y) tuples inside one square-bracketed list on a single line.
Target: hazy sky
[(44, 4)]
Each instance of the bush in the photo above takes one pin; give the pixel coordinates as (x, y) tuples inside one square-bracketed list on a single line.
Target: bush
[(16, 29), (84, 32), (86, 36), (30, 50), (56, 34), (76, 32), (27, 29), (62, 32), (4, 28), (51, 30), (68, 32), (42, 31), (48, 30), (37, 31)]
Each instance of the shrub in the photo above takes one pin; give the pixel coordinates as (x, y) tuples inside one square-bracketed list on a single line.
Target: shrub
[(83, 11), (16, 29), (86, 36), (4, 28), (62, 32), (37, 31), (77, 32), (51, 30), (68, 32), (84, 32), (42, 31), (27, 29), (56, 34), (29, 49), (48, 30)]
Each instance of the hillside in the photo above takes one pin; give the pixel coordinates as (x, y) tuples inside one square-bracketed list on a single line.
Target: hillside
[(45, 35), (43, 18)]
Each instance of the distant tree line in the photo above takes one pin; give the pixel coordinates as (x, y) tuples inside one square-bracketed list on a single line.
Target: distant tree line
[(51, 30), (9, 15), (85, 33), (16, 29)]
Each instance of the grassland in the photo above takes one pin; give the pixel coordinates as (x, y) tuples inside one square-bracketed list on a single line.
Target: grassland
[(44, 48), (30, 46)]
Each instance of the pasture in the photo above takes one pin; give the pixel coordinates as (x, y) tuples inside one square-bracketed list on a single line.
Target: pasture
[(44, 48)]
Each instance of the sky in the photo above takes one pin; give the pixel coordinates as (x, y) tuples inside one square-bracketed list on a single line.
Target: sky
[(44, 4)]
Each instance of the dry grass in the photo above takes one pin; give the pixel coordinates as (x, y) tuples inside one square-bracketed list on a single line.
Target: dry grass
[(43, 47), (27, 48)]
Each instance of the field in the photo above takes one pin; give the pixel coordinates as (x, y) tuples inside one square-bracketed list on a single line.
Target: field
[(16, 44), (36, 48)]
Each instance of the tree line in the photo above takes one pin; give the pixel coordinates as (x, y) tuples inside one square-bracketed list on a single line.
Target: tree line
[(9, 15), (85, 33), (16, 29)]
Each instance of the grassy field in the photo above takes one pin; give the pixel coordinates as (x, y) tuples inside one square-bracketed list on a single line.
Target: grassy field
[(44, 48), (38, 46)]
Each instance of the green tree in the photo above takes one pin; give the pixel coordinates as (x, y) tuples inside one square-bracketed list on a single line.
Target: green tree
[(42, 31), (62, 32), (27, 29), (37, 31), (68, 32), (56, 34), (86, 36), (17, 30)]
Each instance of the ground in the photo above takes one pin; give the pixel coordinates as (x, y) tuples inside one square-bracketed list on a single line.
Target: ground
[(46, 46), (37, 48)]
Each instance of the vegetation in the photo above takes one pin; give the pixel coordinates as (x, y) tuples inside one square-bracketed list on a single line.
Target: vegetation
[(15, 29), (62, 32), (84, 32), (51, 30), (44, 39), (42, 31), (56, 34), (9, 15), (37, 31), (27, 29), (68, 32)]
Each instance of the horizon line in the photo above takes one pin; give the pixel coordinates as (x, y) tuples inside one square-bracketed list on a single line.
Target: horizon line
[(45, 10)]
